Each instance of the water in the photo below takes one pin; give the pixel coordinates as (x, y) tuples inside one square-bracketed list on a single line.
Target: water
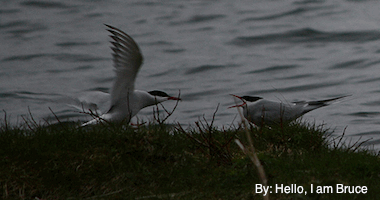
[(280, 50)]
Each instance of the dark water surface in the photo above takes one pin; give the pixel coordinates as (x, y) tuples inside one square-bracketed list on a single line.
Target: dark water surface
[(281, 50)]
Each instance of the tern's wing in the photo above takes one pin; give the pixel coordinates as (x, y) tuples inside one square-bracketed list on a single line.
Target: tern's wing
[(127, 61), (275, 111), (269, 109)]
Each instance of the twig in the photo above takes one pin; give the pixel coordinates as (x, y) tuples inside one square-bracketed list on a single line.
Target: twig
[(56, 117), (34, 123), (31, 117), (350, 147), (252, 153), (5, 120), (213, 115), (360, 144), (341, 137), (189, 135), (95, 115), (167, 112), (211, 146)]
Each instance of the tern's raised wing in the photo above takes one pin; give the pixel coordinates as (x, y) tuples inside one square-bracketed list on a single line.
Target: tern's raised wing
[(127, 60)]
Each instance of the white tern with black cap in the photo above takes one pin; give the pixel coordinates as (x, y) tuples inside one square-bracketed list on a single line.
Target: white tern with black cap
[(264, 112), (126, 102)]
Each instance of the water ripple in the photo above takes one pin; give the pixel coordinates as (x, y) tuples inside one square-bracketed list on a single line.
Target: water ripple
[(372, 103), (298, 88), (349, 64), (20, 28), (296, 11), (355, 64), (204, 18), (367, 133), (162, 73), (158, 43), (299, 76), (306, 35), (45, 4), (198, 19), (202, 93), (365, 114), (15, 23), (274, 69), (8, 95), (27, 95), (65, 70), (174, 50), (9, 11), (71, 44), (23, 57), (61, 57), (203, 68)]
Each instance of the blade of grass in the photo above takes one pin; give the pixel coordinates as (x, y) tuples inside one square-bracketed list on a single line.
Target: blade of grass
[(251, 153)]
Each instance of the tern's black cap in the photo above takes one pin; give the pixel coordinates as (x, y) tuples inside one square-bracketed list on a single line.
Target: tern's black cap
[(158, 93), (251, 99)]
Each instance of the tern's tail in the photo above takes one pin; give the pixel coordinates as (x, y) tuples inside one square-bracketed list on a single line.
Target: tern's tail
[(326, 102), (92, 122), (98, 119), (312, 105)]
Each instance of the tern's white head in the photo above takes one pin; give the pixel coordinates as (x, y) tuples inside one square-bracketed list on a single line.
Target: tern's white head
[(245, 99), (158, 97)]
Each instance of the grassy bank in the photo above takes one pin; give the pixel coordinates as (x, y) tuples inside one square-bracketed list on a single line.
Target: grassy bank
[(165, 162)]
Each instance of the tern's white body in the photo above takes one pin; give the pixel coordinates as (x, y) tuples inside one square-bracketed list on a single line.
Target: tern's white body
[(264, 112), (125, 101), (270, 112)]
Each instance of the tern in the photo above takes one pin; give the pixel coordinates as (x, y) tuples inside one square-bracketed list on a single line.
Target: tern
[(264, 112), (126, 102)]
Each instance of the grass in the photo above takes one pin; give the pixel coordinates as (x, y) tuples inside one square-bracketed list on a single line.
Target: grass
[(158, 161)]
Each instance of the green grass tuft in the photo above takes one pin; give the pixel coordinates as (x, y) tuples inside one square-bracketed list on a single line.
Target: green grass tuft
[(65, 161)]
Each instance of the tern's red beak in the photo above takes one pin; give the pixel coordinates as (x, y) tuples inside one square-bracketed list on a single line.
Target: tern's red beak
[(240, 105), (175, 98)]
